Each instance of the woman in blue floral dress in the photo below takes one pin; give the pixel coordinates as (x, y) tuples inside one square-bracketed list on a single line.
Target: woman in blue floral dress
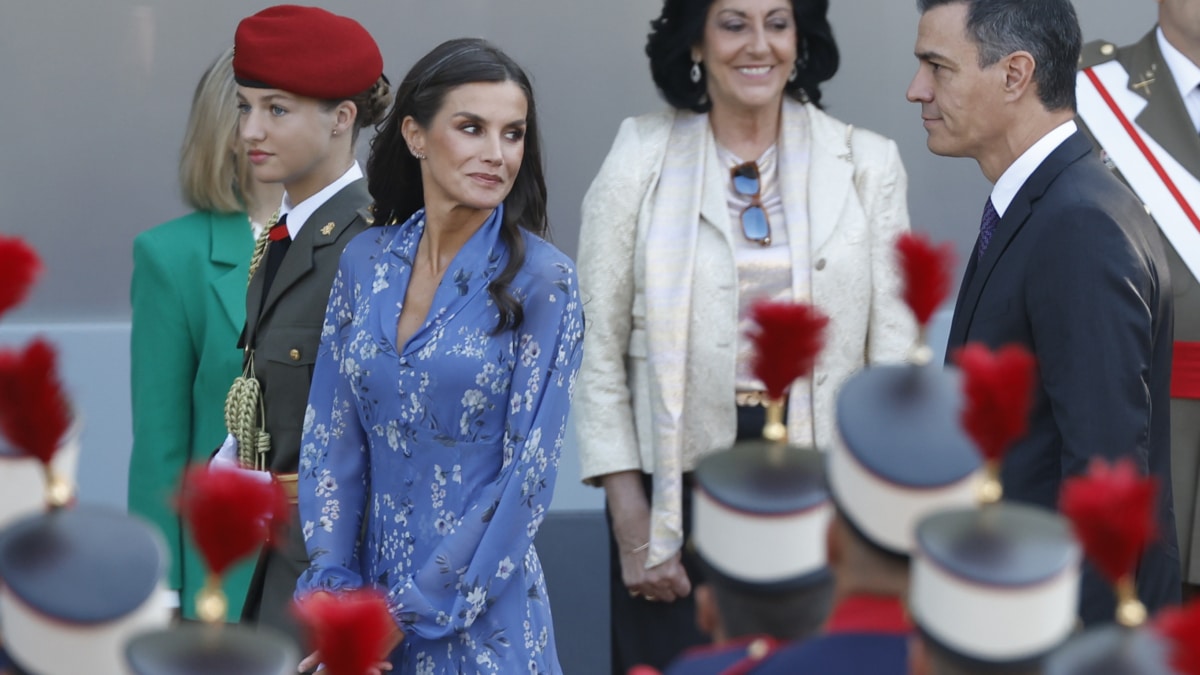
[(440, 394)]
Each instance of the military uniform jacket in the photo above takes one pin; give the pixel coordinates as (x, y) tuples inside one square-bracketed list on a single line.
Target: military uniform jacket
[(865, 634), (1166, 120), (284, 330), (734, 658)]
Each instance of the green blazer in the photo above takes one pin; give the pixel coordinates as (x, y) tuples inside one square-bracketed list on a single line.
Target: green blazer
[(189, 303)]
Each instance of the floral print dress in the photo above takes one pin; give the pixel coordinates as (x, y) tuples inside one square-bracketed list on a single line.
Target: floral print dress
[(426, 468)]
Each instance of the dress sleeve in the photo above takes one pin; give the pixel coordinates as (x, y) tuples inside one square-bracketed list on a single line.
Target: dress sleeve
[(334, 458), (607, 242), (496, 535), (163, 363), (892, 331)]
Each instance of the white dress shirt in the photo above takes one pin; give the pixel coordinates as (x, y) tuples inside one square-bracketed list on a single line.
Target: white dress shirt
[(1018, 172)]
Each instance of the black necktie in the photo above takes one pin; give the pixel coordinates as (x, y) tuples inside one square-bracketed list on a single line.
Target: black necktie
[(280, 240), (987, 226)]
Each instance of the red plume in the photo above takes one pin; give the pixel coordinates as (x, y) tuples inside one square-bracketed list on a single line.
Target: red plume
[(926, 271), (1181, 628), (34, 413), (998, 388), (19, 267), (1111, 509), (231, 513), (786, 344), (350, 628)]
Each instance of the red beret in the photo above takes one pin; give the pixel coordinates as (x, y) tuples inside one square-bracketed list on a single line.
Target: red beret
[(306, 51)]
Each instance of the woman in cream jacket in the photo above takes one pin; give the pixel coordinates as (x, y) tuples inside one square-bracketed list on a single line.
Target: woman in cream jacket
[(668, 270)]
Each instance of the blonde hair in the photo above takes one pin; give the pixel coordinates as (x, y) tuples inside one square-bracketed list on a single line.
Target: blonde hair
[(213, 175)]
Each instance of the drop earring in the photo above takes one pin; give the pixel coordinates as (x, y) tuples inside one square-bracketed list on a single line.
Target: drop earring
[(695, 72)]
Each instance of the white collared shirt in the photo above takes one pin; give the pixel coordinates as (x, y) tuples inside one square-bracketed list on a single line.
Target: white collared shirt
[(1186, 75), (299, 214), (1019, 171)]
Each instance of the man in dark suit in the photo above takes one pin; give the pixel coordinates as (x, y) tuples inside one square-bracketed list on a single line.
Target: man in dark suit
[(1067, 263), (1153, 84)]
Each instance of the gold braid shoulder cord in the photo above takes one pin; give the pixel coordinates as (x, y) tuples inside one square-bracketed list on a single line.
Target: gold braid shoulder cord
[(244, 410)]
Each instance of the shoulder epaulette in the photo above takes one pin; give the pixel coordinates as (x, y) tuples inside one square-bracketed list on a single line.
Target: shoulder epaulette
[(1096, 52)]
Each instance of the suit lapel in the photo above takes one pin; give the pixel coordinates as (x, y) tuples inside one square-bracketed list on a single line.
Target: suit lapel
[(830, 172), (714, 187), (323, 227), (232, 243), (1165, 116), (253, 302), (976, 276)]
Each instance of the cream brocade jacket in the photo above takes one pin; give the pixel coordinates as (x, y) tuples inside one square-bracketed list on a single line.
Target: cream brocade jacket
[(629, 419)]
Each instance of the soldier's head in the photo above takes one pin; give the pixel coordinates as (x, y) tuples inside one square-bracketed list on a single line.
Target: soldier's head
[(761, 511)]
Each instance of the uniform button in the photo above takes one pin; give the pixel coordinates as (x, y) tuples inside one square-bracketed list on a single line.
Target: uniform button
[(1107, 50), (294, 354), (820, 264)]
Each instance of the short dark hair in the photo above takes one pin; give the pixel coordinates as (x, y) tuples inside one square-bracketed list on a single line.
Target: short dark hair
[(394, 175), (787, 615), (1047, 29), (680, 26)]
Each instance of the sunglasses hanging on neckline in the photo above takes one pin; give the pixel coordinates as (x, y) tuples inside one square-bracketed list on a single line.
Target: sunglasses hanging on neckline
[(748, 183)]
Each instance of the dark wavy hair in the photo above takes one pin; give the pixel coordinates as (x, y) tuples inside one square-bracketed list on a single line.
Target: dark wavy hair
[(681, 26), (394, 175)]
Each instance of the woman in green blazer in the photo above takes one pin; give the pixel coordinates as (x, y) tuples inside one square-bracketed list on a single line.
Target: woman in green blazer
[(189, 303)]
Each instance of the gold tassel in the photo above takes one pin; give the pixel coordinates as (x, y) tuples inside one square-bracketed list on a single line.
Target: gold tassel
[(211, 603), (990, 490), (243, 417), (775, 430), (1131, 613), (59, 491), (921, 353)]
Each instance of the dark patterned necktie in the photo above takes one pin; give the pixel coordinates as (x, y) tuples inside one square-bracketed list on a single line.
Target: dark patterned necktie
[(987, 226), (281, 239)]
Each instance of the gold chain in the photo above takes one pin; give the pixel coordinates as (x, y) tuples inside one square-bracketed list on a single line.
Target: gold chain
[(244, 411), (260, 245)]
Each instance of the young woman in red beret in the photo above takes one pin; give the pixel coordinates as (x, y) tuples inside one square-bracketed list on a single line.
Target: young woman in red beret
[(441, 390), (308, 80)]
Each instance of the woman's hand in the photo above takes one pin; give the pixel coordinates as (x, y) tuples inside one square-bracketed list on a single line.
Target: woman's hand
[(630, 514), (665, 582)]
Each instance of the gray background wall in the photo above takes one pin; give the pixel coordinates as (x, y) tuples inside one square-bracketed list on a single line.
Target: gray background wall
[(96, 94), (95, 97)]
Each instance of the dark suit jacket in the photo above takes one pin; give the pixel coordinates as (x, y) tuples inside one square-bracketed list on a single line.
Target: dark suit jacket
[(285, 332), (1076, 273)]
